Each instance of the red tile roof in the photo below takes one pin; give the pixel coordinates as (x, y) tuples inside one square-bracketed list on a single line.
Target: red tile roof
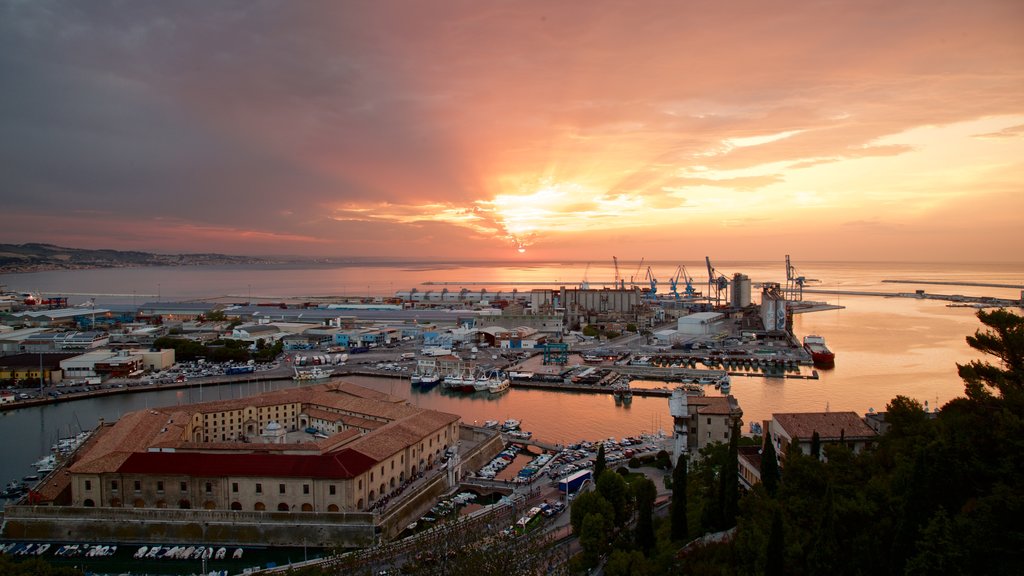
[(340, 465), (828, 425)]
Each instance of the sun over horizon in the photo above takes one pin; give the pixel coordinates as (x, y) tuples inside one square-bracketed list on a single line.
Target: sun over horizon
[(666, 131)]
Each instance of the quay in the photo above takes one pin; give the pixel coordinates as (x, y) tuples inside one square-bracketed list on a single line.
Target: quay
[(921, 295), (956, 283)]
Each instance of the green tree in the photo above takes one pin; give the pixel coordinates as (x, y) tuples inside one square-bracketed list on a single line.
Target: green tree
[(627, 563), (680, 528), (816, 445), (599, 463), (594, 538), (769, 466), (730, 480), (1004, 339), (775, 555), (646, 493), (613, 488), (938, 551), (586, 504), (591, 331)]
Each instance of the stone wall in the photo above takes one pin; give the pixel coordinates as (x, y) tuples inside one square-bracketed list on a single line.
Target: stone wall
[(138, 525)]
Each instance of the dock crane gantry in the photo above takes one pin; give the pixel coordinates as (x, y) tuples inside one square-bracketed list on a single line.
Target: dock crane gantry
[(636, 275), (689, 291), (716, 284), (616, 261), (795, 282), (653, 293)]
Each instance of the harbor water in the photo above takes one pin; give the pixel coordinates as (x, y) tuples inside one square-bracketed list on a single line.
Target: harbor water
[(883, 346)]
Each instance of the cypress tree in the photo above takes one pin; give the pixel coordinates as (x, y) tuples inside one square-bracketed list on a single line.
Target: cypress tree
[(769, 466), (680, 529), (816, 445), (646, 492), (599, 463), (775, 556), (729, 481)]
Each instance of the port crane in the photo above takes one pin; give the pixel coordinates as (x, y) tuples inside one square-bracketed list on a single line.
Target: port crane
[(716, 284), (636, 275), (653, 293), (623, 286), (674, 283), (795, 282)]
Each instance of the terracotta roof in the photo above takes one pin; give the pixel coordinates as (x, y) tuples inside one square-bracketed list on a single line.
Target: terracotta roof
[(111, 445), (828, 425), (751, 454), (341, 465), (715, 404), (337, 440), (392, 425), (321, 414)]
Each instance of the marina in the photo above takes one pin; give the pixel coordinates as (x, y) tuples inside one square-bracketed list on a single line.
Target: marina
[(619, 394)]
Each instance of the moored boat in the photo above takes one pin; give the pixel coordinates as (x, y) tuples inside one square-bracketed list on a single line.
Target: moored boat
[(313, 374), (820, 353)]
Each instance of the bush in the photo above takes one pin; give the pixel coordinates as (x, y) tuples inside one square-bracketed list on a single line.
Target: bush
[(623, 471), (663, 461), (634, 462)]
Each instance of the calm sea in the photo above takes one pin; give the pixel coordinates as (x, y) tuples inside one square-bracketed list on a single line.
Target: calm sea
[(883, 346)]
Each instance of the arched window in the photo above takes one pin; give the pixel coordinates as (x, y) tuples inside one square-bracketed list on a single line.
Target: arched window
[(184, 504), (236, 505), (161, 504), (209, 505), (88, 503), (372, 496), (392, 481), (139, 503), (307, 507), (359, 504), (332, 508), (282, 507), (115, 502), (383, 488), (259, 507)]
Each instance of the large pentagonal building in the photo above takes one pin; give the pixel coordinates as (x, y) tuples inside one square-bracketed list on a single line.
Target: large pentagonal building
[(335, 447)]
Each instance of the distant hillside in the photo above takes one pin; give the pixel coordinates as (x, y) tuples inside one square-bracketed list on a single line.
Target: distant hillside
[(37, 257)]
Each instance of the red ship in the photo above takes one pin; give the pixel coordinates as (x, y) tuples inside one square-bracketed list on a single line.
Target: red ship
[(820, 354)]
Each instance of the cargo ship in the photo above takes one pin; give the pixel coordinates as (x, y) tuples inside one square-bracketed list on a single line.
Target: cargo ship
[(820, 354)]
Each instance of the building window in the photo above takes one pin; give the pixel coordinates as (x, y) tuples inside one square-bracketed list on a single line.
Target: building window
[(138, 485), (234, 486), (88, 484), (259, 488), (305, 488), (160, 486), (113, 485), (333, 489), (709, 420), (280, 488), (209, 487), (184, 487)]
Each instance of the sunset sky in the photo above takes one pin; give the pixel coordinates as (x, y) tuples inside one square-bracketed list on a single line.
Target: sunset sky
[(511, 129)]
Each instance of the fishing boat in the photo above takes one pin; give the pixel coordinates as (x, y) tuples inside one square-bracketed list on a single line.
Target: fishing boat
[(499, 386), (313, 374)]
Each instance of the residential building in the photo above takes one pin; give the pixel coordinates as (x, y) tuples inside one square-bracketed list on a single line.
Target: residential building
[(700, 420), (798, 428)]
